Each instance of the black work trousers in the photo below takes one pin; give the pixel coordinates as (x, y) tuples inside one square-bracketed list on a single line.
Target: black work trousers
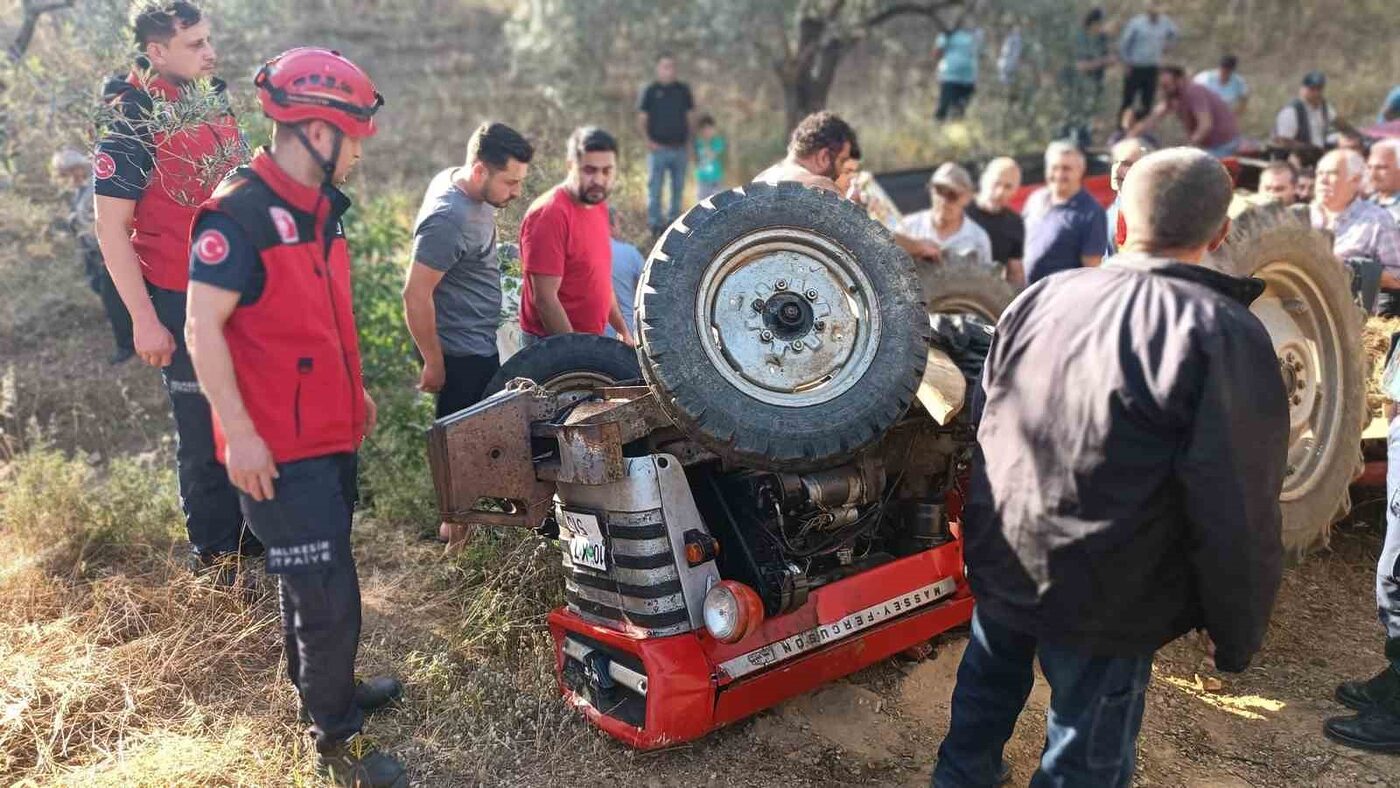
[(466, 379), (306, 529), (1139, 88), (101, 283), (213, 521)]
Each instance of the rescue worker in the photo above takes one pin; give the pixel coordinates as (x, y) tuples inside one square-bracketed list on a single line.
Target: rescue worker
[(150, 176), (273, 338), (1376, 701)]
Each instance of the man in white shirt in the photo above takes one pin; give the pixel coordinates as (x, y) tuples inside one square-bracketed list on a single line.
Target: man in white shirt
[(944, 224), (1226, 83), (1145, 39)]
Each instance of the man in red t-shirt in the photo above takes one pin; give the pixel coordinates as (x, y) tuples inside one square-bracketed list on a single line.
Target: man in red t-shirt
[(1203, 114), (566, 247)]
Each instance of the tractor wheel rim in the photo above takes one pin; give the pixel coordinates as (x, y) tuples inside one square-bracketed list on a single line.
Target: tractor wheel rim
[(1307, 340), (787, 317)]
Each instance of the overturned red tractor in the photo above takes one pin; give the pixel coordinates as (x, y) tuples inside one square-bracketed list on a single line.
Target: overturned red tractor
[(765, 496)]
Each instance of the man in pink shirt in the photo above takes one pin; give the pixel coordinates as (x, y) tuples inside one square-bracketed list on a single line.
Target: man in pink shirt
[(1203, 114)]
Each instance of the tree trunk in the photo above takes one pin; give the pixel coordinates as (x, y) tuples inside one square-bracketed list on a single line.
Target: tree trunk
[(32, 12)]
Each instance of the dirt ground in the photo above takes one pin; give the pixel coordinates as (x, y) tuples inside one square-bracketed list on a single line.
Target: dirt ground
[(882, 726)]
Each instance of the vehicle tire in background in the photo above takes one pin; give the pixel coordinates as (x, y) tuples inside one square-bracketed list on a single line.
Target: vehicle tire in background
[(570, 362), (781, 328), (966, 289), (1315, 326)]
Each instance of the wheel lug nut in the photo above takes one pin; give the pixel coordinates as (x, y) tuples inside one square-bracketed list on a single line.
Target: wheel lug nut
[(811, 294), (820, 325), (766, 336), (758, 305), (797, 346), (781, 284)]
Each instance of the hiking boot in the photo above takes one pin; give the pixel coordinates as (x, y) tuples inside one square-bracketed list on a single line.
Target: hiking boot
[(358, 762), (1377, 729), (371, 695), (1362, 695)]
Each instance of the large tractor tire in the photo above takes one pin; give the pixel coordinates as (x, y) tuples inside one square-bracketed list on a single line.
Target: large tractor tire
[(1315, 326), (781, 328), (570, 362), (966, 289)]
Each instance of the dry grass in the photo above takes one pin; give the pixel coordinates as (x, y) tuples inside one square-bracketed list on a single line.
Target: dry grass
[(1375, 340)]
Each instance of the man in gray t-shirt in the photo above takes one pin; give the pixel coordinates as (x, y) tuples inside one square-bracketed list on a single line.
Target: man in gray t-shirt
[(452, 299)]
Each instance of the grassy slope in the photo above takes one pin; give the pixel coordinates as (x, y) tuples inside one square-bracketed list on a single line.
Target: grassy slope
[(122, 670)]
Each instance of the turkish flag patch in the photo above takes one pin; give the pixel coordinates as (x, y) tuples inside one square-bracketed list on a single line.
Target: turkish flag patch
[(211, 248), (286, 225), (103, 166)]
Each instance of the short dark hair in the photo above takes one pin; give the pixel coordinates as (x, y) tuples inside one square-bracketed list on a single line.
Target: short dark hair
[(1177, 198), (590, 139), (157, 21), (1094, 16), (1229, 61), (704, 120), (1281, 166), (1175, 70), (818, 132), (855, 150), (495, 144)]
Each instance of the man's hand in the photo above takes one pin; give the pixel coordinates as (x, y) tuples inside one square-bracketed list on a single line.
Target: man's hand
[(628, 339), (432, 379), (927, 250), (371, 413), (651, 145), (250, 465), (153, 343)]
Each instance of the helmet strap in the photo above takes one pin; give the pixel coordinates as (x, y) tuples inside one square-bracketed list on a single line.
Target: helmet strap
[(327, 165)]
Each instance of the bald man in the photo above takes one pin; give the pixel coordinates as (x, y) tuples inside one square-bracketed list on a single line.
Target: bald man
[(1143, 398), (1383, 169), (1125, 154)]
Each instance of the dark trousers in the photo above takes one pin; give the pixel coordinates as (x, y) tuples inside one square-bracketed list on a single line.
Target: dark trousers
[(1140, 83), (101, 283), (953, 98), (467, 377), (306, 528), (213, 521), (1096, 707)]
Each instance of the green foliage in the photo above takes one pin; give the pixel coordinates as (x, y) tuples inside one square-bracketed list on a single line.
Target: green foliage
[(396, 481)]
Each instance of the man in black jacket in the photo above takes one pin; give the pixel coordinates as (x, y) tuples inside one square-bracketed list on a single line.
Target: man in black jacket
[(1131, 454)]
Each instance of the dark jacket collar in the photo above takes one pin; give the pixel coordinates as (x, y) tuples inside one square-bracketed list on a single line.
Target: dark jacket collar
[(1242, 289)]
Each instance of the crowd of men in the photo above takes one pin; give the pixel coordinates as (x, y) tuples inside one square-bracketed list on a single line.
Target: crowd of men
[(241, 296)]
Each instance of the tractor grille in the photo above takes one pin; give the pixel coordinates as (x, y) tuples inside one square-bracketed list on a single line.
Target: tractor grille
[(641, 589)]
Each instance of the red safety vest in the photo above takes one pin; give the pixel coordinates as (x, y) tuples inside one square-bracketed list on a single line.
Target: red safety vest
[(187, 166), (295, 351)]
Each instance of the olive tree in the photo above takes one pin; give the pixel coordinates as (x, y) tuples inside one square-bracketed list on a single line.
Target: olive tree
[(800, 43)]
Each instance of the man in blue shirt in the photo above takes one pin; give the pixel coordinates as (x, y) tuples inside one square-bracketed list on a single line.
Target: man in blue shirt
[(627, 265), (1065, 227), (956, 54)]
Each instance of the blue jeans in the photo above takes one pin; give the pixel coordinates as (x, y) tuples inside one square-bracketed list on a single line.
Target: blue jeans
[(660, 163), (1388, 568), (1096, 706), (213, 521)]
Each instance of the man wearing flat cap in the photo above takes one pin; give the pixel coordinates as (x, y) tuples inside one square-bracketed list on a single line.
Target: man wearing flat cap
[(944, 224)]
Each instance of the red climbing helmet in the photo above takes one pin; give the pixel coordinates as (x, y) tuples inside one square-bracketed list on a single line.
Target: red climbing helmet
[(310, 83)]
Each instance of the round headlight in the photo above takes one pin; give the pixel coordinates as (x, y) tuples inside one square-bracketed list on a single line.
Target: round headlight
[(732, 611)]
